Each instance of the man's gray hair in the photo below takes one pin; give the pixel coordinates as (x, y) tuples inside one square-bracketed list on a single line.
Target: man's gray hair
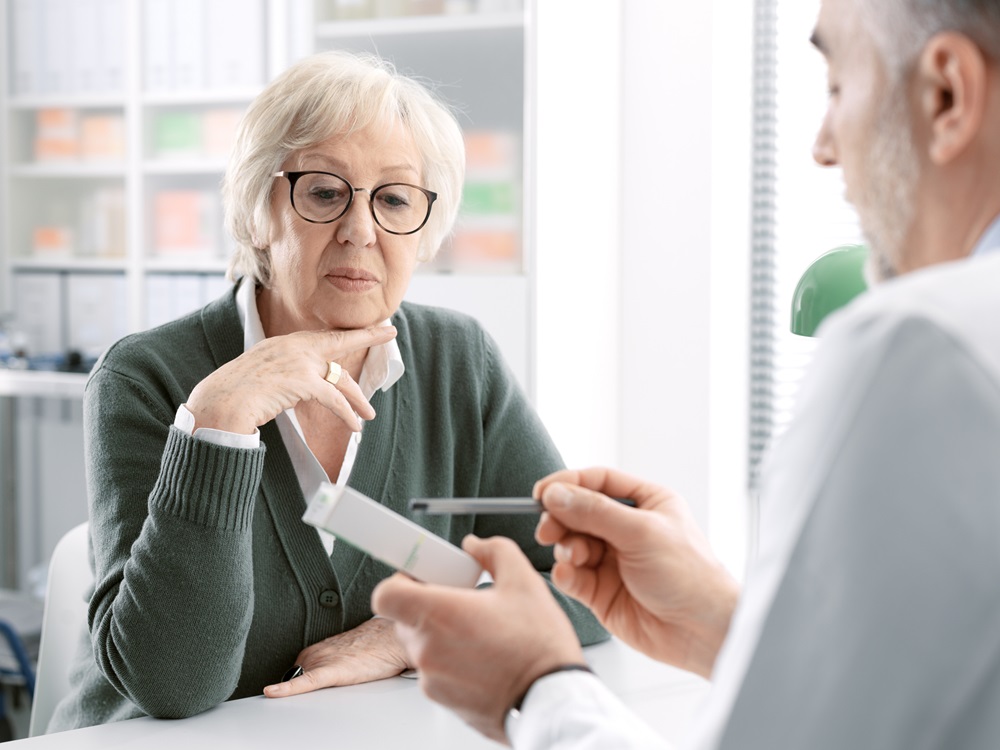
[(327, 94), (902, 27)]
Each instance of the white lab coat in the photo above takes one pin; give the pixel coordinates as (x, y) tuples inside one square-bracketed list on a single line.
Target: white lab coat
[(871, 618)]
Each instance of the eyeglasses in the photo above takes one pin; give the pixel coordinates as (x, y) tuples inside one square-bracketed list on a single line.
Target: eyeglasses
[(322, 197)]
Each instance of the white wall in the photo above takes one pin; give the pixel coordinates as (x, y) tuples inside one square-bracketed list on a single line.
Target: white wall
[(642, 310), (576, 258)]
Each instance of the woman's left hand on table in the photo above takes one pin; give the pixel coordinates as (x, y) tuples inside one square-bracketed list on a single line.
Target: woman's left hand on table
[(369, 652)]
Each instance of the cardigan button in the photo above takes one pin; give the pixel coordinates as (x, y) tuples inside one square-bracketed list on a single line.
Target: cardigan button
[(329, 599)]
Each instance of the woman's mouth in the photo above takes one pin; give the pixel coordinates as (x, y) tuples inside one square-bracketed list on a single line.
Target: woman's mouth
[(352, 279)]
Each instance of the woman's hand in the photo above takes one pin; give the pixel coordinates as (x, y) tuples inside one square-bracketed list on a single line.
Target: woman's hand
[(648, 573), (369, 652), (279, 373)]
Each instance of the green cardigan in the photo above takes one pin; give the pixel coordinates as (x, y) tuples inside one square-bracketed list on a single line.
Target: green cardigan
[(207, 582)]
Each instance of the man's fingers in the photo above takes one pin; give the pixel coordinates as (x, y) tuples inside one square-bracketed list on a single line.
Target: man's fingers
[(584, 511), (608, 482), (579, 583), (500, 556), (580, 550), (400, 598)]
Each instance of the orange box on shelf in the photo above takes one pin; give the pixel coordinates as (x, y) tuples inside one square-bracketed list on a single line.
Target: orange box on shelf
[(485, 248), (52, 241), (102, 137), (177, 222), (491, 149), (219, 130), (186, 222), (57, 134)]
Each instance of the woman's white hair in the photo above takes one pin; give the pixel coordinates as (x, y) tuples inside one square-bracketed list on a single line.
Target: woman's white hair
[(328, 94), (902, 27)]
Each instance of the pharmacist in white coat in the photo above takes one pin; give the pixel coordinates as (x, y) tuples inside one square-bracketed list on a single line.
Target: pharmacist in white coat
[(871, 617)]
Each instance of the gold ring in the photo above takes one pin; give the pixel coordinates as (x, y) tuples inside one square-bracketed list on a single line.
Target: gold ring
[(333, 374)]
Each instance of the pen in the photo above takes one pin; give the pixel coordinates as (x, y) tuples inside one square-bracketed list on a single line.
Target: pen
[(498, 505)]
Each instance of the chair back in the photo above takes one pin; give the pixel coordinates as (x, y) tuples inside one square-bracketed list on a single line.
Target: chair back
[(64, 618)]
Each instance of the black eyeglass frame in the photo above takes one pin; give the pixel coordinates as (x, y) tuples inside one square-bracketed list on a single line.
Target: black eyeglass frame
[(294, 177)]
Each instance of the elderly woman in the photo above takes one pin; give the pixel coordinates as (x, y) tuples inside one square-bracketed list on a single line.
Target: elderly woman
[(206, 436)]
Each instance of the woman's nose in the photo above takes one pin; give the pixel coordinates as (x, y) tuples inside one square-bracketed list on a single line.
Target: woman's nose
[(357, 226)]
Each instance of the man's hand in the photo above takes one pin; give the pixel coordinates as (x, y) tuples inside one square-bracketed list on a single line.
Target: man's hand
[(648, 572), (478, 651)]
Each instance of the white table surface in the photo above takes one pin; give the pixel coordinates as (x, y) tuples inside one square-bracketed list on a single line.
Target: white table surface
[(391, 713)]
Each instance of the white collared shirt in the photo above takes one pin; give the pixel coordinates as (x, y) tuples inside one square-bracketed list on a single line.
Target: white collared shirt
[(383, 367)]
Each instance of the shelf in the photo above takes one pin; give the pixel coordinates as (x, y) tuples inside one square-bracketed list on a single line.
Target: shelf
[(198, 98), (415, 25), (185, 166), (64, 101), (68, 170), (186, 265), (68, 264), (41, 383)]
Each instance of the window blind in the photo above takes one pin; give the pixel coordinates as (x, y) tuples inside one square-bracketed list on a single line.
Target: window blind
[(798, 210)]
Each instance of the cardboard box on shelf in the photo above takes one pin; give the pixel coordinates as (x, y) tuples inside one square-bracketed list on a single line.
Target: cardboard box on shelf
[(491, 150), (38, 299), (186, 222), (97, 311), (489, 198), (52, 241), (486, 249), (57, 134), (102, 137), (102, 220), (177, 135), (219, 130)]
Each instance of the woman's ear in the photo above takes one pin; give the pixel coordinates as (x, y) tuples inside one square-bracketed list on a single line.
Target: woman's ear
[(952, 79)]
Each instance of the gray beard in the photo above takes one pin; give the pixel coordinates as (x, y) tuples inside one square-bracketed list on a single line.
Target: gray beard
[(886, 206)]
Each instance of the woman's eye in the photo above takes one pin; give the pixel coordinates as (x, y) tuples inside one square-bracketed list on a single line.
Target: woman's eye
[(393, 200), (325, 194)]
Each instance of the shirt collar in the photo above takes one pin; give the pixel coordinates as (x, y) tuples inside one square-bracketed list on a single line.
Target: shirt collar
[(990, 241), (383, 365)]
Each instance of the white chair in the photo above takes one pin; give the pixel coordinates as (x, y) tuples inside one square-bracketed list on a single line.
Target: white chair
[(65, 616)]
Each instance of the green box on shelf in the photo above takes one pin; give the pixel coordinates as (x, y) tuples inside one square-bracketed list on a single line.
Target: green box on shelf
[(489, 198), (177, 134)]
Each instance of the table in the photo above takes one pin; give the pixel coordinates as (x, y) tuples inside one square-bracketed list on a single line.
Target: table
[(390, 713)]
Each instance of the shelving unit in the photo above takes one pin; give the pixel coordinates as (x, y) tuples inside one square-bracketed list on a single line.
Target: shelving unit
[(69, 290), (94, 195), (169, 160)]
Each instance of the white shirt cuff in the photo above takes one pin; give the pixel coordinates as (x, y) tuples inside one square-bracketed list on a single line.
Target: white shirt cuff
[(184, 421), (577, 711)]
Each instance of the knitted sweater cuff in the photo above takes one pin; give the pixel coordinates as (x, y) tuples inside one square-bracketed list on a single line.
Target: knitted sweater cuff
[(207, 484)]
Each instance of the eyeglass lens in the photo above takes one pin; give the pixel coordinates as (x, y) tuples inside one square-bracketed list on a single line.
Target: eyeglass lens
[(322, 197)]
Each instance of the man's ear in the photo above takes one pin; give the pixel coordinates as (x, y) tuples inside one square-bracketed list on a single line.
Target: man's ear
[(952, 78)]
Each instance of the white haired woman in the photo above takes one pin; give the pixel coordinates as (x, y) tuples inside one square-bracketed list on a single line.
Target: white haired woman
[(206, 436)]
